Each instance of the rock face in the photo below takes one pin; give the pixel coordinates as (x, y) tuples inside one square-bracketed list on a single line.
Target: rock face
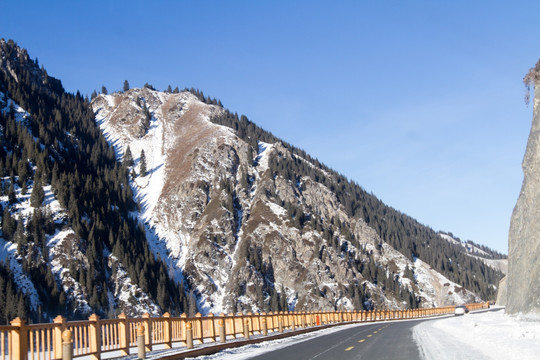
[(502, 293), (523, 281)]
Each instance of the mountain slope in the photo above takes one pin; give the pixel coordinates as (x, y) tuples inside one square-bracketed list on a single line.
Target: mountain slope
[(218, 209), (148, 201), (74, 239)]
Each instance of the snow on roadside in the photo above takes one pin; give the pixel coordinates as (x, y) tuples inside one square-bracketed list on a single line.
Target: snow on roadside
[(485, 335)]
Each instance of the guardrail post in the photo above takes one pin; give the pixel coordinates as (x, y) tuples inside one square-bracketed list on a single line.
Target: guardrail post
[(60, 323), (221, 329), (246, 328), (250, 323), (189, 336), (167, 331), (67, 345), (183, 321), (212, 324), (141, 349), (264, 326), (94, 337), (147, 323), (233, 323), (19, 342), (123, 333), (199, 332)]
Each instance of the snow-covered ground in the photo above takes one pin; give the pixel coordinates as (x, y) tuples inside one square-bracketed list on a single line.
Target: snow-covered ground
[(484, 335)]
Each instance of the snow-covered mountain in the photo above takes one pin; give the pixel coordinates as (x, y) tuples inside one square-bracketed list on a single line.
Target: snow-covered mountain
[(147, 201), (216, 212)]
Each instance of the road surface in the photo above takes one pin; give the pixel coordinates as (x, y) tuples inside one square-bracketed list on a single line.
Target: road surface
[(384, 340)]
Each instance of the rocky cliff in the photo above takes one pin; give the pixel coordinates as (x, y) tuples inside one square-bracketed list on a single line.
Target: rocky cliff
[(523, 280)]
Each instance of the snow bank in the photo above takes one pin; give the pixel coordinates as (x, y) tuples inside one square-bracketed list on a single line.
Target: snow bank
[(485, 335)]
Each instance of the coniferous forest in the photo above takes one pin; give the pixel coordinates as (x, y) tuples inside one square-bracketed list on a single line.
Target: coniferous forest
[(60, 144), (399, 230)]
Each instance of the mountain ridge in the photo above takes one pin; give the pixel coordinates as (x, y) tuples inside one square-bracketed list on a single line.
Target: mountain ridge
[(224, 222), (273, 209)]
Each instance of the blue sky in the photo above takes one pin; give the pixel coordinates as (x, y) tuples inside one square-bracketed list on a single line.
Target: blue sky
[(420, 102)]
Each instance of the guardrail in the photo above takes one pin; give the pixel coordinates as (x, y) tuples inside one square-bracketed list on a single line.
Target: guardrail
[(95, 336)]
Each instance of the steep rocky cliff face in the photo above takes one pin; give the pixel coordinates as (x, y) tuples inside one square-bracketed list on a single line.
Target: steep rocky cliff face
[(242, 237), (523, 280)]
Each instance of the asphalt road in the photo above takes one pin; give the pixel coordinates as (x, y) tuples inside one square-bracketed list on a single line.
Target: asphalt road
[(391, 340)]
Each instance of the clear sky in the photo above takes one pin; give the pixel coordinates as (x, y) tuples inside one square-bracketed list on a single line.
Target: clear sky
[(419, 102)]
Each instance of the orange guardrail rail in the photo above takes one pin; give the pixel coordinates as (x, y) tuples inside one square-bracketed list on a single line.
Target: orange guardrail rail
[(95, 336)]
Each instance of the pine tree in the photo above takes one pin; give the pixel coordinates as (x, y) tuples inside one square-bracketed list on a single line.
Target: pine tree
[(142, 165), (192, 301), (128, 157), (38, 195), (19, 237), (8, 224), (126, 85), (23, 171), (274, 301), (146, 118), (283, 300), (104, 90)]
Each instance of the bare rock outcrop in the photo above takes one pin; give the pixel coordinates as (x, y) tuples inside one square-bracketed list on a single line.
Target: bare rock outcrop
[(523, 280), (502, 293)]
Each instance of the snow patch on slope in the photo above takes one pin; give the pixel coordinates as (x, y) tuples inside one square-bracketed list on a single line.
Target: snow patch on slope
[(439, 288), (165, 239), (20, 114)]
